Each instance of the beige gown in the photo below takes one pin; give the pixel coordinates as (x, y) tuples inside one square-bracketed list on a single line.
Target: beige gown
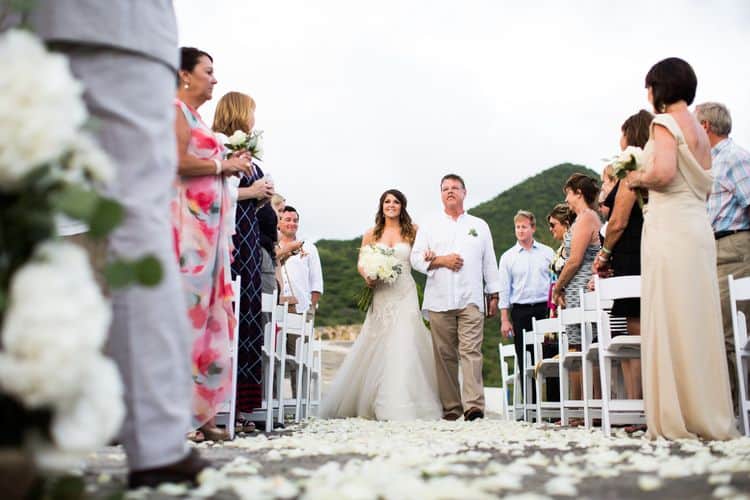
[(685, 379)]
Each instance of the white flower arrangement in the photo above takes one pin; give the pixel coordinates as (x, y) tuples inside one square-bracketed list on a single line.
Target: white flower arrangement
[(53, 316), (629, 160), (252, 143), (377, 263), (53, 332)]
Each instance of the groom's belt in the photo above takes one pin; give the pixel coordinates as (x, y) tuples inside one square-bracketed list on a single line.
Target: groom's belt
[(535, 304), (722, 234)]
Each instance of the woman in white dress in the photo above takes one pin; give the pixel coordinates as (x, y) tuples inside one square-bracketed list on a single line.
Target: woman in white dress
[(389, 374)]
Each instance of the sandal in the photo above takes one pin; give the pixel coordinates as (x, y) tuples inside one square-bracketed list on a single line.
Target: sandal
[(632, 429), (214, 434), (196, 436), (244, 426)]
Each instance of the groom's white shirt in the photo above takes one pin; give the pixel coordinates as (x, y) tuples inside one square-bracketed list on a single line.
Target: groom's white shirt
[(469, 237)]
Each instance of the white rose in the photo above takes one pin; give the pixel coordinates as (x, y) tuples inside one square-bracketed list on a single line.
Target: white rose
[(238, 138), (40, 103), (55, 305), (56, 317), (93, 419)]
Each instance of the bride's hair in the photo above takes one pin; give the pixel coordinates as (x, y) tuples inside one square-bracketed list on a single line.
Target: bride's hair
[(408, 232)]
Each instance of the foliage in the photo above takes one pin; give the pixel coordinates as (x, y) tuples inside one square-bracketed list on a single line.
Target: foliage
[(537, 194)]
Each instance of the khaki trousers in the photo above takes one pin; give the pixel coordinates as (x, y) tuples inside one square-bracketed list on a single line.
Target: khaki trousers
[(457, 336), (732, 257)]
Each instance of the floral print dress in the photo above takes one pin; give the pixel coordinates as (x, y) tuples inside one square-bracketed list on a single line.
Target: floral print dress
[(203, 229)]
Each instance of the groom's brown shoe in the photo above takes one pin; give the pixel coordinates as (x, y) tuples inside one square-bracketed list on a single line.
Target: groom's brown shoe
[(473, 414), (450, 416), (182, 471)]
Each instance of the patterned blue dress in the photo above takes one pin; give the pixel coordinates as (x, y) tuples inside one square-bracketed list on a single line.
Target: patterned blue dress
[(247, 264)]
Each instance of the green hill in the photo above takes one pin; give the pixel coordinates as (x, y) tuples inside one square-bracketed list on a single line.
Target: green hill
[(538, 194)]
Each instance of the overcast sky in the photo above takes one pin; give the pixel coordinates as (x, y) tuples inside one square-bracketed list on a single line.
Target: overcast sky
[(358, 97)]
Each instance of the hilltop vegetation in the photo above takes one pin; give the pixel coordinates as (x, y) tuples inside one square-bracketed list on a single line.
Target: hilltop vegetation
[(538, 194)]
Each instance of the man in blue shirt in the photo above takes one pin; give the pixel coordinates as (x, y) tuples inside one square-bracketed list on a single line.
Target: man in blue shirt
[(524, 289), (729, 212)]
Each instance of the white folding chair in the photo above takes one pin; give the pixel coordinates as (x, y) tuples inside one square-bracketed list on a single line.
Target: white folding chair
[(545, 367), (227, 414), (615, 410), (583, 316), (315, 381), (294, 325), (312, 378), (509, 382), (739, 290), (270, 359)]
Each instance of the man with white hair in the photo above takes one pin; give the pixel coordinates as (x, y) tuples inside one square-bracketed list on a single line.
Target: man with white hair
[(729, 212)]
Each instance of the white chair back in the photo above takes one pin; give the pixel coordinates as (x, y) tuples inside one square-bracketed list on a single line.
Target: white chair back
[(739, 290), (623, 347), (509, 381)]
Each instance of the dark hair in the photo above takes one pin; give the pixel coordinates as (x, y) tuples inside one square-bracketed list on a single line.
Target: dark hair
[(584, 184), (636, 128), (671, 80), (453, 177), (408, 232), (562, 213), (289, 208), (189, 57)]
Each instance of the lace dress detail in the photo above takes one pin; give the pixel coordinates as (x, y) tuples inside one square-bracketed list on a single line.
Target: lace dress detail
[(389, 374)]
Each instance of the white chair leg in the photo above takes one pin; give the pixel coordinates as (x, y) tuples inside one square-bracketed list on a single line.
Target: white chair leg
[(605, 369), (742, 368)]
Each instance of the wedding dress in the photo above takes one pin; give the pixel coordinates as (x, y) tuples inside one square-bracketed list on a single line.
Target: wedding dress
[(389, 373)]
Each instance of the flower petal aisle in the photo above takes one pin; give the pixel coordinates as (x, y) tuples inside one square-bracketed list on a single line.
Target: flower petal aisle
[(361, 459)]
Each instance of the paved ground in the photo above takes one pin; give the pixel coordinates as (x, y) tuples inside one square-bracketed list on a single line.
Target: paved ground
[(361, 459)]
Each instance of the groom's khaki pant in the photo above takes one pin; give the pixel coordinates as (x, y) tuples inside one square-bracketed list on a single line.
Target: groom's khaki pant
[(458, 334)]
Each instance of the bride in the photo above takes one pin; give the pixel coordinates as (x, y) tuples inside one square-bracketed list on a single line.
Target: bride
[(389, 374)]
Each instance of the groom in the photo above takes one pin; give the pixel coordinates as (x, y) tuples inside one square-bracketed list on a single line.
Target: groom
[(455, 251)]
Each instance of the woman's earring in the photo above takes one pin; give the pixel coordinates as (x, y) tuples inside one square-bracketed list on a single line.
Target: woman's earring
[(187, 85)]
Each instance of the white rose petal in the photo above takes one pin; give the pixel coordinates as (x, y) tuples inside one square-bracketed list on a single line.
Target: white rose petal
[(649, 483)]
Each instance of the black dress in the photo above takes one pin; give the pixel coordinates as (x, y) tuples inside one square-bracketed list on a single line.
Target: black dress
[(247, 263), (626, 255)]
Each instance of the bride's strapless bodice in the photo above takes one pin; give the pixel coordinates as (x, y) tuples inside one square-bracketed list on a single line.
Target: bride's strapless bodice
[(388, 297)]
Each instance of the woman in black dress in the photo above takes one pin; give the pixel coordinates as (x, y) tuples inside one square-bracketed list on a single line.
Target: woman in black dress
[(621, 252)]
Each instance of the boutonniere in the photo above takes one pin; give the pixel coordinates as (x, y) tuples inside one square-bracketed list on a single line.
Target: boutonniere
[(473, 232)]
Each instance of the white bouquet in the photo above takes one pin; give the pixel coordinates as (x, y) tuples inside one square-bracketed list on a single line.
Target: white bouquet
[(378, 263), (630, 160), (252, 142)]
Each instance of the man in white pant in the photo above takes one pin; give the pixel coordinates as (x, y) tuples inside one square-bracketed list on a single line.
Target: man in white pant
[(125, 54)]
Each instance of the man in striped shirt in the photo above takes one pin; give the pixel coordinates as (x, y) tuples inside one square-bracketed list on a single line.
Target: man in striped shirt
[(729, 212)]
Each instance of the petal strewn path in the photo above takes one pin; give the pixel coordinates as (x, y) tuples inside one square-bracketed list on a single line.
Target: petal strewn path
[(492, 458)]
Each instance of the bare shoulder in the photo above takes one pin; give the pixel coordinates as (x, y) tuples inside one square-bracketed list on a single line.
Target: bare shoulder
[(368, 237)]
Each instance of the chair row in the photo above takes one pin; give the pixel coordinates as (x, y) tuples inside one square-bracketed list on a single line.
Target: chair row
[(602, 350), (289, 345)]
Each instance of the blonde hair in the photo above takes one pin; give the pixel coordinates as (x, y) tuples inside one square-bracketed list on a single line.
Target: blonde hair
[(277, 199), (609, 173), (233, 113), (525, 214)]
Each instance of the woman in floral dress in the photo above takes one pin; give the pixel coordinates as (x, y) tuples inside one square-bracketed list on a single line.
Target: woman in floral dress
[(202, 234)]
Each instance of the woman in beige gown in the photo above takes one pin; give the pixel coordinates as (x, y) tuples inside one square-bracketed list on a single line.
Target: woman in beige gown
[(685, 378)]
